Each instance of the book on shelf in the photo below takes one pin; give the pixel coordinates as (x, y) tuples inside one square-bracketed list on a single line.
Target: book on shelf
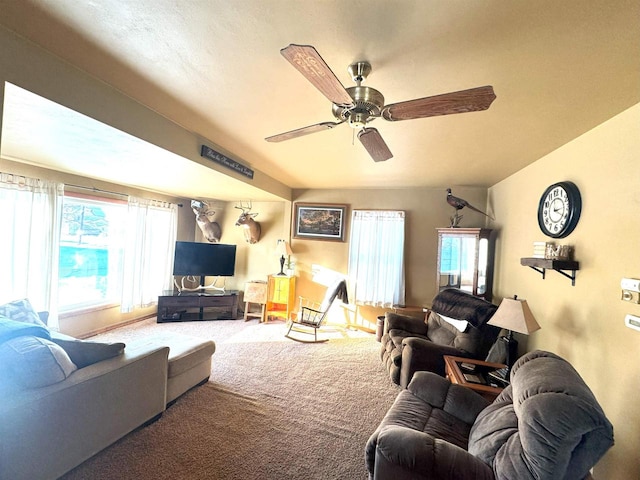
[(539, 249)]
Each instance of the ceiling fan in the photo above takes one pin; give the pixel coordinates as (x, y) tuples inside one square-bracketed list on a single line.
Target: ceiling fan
[(360, 105)]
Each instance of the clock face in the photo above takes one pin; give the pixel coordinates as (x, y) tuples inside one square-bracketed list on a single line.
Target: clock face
[(559, 209)]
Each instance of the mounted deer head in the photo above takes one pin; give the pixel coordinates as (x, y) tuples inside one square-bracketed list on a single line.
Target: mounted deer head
[(250, 226), (210, 230)]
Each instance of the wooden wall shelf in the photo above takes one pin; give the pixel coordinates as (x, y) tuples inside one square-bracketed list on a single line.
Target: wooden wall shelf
[(541, 265)]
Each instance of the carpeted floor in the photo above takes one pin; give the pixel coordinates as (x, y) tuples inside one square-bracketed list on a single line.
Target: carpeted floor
[(272, 409)]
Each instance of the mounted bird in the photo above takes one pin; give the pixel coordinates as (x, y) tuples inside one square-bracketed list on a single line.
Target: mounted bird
[(460, 203)]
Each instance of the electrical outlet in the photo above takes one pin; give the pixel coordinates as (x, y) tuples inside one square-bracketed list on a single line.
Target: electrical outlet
[(632, 321), (630, 290)]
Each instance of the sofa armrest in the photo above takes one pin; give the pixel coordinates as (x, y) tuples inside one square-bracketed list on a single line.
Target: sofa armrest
[(404, 453), (422, 354), (404, 322), (461, 402)]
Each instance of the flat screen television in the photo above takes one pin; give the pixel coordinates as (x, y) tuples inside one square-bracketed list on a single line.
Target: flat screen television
[(204, 259)]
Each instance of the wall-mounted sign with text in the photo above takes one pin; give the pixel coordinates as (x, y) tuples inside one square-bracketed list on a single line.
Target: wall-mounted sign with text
[(225, 161)]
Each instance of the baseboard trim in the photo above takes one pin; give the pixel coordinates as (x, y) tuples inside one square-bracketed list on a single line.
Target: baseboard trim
[(114, 326)]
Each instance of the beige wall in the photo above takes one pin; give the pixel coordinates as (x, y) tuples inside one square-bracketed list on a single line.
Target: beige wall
[(426, 209), (254, 261), (584, 323)]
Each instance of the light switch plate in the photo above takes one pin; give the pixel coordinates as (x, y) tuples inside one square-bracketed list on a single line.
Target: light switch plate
[(630, 284), (632, 321)]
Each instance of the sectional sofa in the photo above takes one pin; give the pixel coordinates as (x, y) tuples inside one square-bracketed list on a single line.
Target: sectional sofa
[(64, 400)]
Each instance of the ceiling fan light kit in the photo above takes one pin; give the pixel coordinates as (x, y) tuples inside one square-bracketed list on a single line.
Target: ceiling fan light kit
[(359, 105)]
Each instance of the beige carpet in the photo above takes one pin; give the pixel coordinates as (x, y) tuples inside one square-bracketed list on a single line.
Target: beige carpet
[(272, 409)]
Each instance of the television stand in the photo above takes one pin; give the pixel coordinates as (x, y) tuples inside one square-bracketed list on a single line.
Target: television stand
[(192, 306)]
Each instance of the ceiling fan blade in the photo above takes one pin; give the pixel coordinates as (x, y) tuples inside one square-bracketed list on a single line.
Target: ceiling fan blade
[(309, 63), (472, 100), (299, 132), (374, 143)]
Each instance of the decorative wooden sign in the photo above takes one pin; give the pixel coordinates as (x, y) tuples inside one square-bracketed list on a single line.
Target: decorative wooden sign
[(225, 161)]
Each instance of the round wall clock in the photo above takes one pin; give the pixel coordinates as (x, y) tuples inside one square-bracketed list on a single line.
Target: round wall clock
[(559, 209)]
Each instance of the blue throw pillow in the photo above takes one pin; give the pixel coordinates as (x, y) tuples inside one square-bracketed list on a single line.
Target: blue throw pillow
[(11, 329), (33, 362)]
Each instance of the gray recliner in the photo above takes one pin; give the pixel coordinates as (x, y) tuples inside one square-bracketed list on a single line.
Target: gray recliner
[(546, 425), (414, 344)]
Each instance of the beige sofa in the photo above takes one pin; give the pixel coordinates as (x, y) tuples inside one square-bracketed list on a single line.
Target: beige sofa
[(47, 431), (89, 396)]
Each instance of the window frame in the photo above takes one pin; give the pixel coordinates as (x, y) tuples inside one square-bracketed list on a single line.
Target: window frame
[(85, 307)]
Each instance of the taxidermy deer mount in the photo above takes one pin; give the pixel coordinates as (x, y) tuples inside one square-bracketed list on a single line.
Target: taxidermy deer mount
[(210, 230), (249, 225)]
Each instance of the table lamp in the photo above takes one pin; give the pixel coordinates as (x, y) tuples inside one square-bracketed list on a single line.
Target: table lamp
[(514, 315), (282, 249)]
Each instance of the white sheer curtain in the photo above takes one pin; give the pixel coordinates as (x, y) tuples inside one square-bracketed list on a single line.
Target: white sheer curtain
[(148, 253), (30, 214), (376, 257)]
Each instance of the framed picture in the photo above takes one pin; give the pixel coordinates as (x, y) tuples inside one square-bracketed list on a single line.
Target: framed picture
[(315, 221)]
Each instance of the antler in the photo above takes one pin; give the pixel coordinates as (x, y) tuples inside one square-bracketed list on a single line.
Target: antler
[(242, 207)]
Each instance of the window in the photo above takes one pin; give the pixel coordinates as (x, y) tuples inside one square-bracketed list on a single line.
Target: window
[(376, 257), (66, 252), (91, 252), (114, 252)]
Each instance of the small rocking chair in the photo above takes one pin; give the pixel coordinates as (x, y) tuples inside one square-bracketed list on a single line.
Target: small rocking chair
[(312, 315)]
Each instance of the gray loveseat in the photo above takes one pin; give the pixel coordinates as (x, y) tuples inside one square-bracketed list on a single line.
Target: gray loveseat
[(546, 425)]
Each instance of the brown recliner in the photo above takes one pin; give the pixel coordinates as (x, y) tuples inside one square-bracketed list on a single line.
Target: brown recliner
[(412, 344)]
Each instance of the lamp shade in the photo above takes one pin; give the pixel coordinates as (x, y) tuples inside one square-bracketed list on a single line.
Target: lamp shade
[(514, 314), (283, 248)]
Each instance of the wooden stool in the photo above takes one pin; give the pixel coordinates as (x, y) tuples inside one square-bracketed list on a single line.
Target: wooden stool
[(255, 292)]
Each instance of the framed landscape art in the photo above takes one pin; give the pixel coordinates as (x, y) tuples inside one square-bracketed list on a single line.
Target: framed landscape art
[(315, 221)]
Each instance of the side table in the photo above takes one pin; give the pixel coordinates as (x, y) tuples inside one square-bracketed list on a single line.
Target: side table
[(483, 386), (281, 297)]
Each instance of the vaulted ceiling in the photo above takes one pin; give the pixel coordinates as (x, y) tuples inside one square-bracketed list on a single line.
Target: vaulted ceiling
[(558, 69)]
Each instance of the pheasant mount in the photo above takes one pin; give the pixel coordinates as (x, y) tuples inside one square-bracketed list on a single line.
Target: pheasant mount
[(460, 203)]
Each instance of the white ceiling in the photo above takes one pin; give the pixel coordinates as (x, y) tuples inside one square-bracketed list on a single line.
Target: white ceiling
[(558, 68)]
